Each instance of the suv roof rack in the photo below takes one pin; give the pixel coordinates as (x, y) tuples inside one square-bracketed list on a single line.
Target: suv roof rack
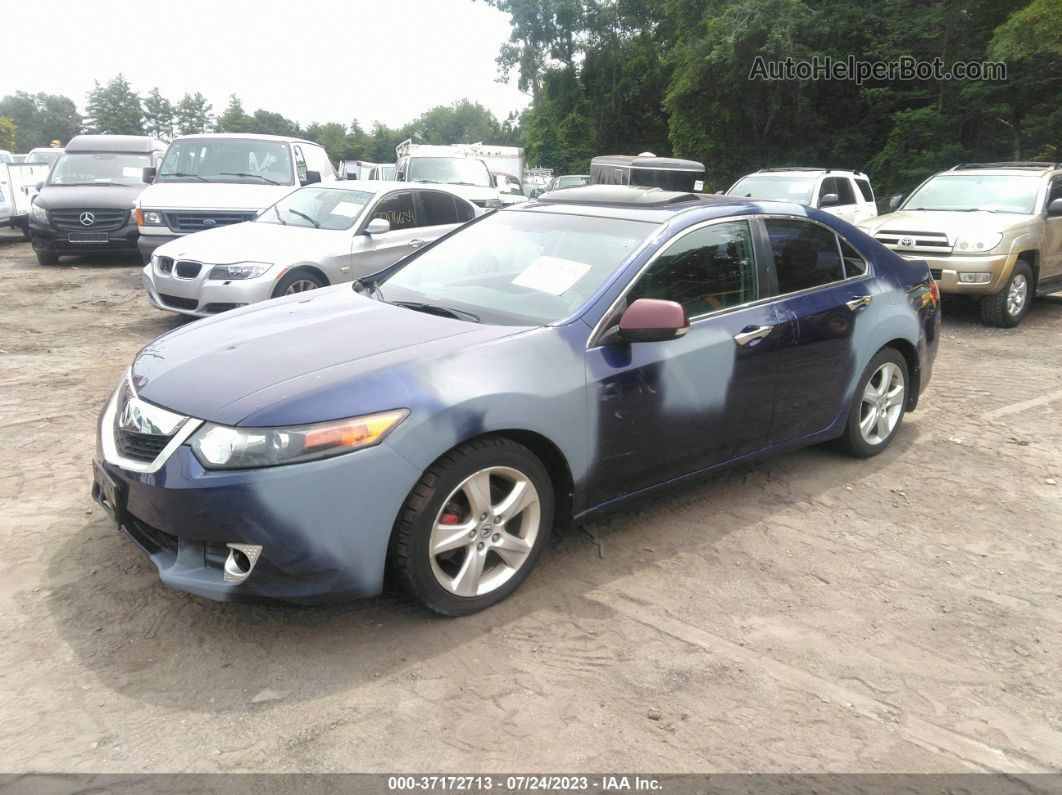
[(1037, 164), (809, 168)]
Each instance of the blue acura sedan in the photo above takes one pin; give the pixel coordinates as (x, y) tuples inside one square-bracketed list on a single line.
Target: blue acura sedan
[(534, 366)]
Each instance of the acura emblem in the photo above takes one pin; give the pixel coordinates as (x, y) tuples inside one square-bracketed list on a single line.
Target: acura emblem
[(906, 242), (87, 218)]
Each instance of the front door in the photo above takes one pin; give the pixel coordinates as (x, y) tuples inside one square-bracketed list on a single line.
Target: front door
[(664, 409), (373, 253), (1051, 257)]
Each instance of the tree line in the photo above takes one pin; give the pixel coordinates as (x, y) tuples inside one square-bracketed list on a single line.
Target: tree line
[(115, 108), (672, 77)]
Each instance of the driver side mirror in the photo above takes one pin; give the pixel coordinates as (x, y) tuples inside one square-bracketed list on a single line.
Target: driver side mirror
[(39, 186), (1054, 208), (377, 226), (311, 178), (653, 320), (829, 200), (895, 201), (149, 174)]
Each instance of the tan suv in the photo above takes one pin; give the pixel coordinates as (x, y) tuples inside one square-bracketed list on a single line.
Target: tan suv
[(992, 231)]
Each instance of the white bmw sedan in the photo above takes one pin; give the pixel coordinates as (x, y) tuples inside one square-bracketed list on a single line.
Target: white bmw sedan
[(316, 236)]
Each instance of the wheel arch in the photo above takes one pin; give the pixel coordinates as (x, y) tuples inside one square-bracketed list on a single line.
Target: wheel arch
[(1031, 256), (914, 369), (560, 473), (304, 267)]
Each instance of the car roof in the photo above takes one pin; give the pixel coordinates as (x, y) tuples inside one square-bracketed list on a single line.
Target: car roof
[(251, 136), (648, 161), (1017, 168), (382, 185), (110, 143), (638, 204), (805, 171)]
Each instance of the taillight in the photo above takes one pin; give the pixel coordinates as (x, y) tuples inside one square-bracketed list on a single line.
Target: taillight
[(934, 289)]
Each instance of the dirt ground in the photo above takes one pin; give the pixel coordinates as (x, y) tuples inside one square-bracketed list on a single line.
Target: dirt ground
[(810, 613)]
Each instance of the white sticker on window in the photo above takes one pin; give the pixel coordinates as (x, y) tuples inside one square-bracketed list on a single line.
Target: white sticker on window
[(551, 275), (132, 171), (349, 209)]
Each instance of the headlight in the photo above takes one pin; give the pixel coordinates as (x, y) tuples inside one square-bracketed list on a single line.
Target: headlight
[(38, 213), (239, 270), (978, 242), (492, 204), (221, 447), (149, 218)]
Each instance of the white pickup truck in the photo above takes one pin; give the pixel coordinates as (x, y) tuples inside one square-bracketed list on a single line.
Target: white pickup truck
[(18, 186), (213, 179)]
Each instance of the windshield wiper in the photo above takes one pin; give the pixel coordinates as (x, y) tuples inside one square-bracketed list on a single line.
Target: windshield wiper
[(248, 174), (183, 174), (435, 309), (304, 215), (277, 213), (372, 289)]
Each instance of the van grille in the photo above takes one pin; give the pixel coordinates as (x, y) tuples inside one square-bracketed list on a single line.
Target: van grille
[(198, 221)]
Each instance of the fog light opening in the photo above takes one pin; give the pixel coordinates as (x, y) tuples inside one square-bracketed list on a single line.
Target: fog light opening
[(240, 562)]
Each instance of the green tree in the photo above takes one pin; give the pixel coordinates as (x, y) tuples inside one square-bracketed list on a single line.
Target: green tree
[(159, 115), (40, 119), (193, 114), (114, 109), (234, 118), (7, 133), (267, 122)]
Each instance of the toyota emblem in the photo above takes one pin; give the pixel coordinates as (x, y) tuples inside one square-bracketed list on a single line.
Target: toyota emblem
[(906, 242), (87, 218)]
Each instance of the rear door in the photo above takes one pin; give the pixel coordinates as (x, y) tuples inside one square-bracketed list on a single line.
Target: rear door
[(824, 290), (865, 206), (665, 409), (439, 213)]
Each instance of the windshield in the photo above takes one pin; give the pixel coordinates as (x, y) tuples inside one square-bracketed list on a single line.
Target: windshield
[(46, 156), (449, 171), (572, 182), (966, 192), (243, 160), (319, 208), (797, 190), (85, 168), (515, 268)]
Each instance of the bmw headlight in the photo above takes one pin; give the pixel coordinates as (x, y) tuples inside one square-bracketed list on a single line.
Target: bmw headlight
[(239, 270), (222, 447), (38, 213), (978, 242)]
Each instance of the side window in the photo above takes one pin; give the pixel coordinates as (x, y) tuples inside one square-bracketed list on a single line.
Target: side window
[(707, 270), (805, 254), (465, 210), (438, 208), (397, 210), (864, 188), (300, 164), (1055, 191), (842, 186), (854, 264)]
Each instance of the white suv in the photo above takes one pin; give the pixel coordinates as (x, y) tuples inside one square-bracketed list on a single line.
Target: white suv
[(846, 194), (215, 179)]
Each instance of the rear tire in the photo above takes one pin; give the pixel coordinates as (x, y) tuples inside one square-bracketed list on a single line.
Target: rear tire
[(44, 258), (878, 405), (457, 553), (298, 281), (1007, 308)]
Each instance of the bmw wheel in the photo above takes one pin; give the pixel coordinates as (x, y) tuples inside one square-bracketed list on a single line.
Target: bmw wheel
[(878, 406), (473, 527), (298, 281)]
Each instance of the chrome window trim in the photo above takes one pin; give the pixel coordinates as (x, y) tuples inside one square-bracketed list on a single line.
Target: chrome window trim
[(110, 450), (870, 273)]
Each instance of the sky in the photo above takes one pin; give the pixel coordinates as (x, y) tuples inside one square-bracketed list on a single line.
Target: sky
[(310, 60)]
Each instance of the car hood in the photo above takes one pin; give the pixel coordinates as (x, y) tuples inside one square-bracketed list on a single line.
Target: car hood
[(211, 196), (300, 359), (952, 224), (256, 242), (96, 197)]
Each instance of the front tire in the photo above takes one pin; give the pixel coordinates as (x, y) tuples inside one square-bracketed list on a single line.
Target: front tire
[(1007, 308), (298, 281), (44, 258), (473, 527), (878, 406)]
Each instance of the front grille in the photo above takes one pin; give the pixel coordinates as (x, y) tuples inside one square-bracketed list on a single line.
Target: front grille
[(198, 221), (178, 303), (101, 220), (930, 242), (151, 539), (185, 269), (165, 265), (139, 446)]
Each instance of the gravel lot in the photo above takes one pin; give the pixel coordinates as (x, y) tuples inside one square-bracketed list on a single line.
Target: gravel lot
[(811, 613)]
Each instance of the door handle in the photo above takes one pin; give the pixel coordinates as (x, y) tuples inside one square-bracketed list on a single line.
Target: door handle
[(858, 301), (417, 242), (751, 333)]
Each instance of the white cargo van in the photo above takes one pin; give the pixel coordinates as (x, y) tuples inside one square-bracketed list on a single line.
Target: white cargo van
[(214, 179)]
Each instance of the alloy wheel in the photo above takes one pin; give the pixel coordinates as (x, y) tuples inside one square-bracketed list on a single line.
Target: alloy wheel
[(485, 531), (882, 404), (300, 286), (1017, 295)]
